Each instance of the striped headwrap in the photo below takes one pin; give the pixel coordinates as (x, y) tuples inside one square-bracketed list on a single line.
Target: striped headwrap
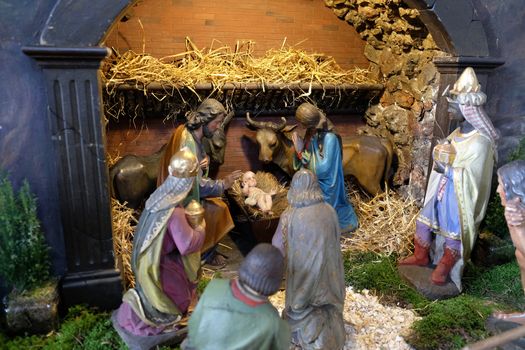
[(477, 117)]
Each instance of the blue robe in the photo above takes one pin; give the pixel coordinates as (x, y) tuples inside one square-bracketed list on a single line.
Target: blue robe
[(442, 215), (323, 156)]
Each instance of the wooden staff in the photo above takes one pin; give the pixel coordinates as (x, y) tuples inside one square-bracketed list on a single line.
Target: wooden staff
[(500, 339)]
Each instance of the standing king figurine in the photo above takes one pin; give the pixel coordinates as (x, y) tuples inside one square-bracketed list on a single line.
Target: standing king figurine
[(459, 186)]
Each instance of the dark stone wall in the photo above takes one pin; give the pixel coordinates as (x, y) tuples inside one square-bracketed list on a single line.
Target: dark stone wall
[(25, 140), (503, 22)]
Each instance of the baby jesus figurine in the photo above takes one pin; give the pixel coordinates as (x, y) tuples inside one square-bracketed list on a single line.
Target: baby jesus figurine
[(254, 195)]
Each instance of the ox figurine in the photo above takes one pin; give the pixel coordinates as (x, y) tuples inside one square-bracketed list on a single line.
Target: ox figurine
[(367, 158), (133, 178)]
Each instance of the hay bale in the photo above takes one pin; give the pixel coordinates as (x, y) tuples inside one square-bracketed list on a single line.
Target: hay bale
[(266, 182), (387, 223), (287, 65), (123, 221)]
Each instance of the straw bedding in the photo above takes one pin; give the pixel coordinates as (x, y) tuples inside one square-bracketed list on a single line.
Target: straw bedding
[(266, 182), (219, 65), (387, 224), (124, 222)]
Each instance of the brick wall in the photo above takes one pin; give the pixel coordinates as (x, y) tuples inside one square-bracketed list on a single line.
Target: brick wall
[(166, 23), (307, 23), (241, 153)]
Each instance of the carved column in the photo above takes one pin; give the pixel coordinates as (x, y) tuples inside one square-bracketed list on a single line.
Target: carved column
[(77, 130)]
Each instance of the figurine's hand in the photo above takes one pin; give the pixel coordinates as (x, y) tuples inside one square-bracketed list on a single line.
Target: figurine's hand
[(297, 142), (202, 226), (515, 212), (205, 162), (230, 179), (439, 167), (305, 158)]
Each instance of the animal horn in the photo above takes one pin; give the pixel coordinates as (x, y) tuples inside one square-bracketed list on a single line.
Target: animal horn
[(255, 124), (277, 127), (269, 125)]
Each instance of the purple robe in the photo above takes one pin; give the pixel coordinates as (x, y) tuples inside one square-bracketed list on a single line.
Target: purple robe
[(180, 239)]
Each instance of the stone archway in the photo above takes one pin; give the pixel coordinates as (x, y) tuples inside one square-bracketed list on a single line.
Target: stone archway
[(69, 56), (407, 45)]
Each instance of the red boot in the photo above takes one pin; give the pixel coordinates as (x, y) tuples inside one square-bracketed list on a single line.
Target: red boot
[(440, 273), (420, 256)]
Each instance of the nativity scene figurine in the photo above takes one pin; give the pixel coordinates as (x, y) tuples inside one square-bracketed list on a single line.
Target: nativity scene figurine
[(457, 192), (308, 236), (165, 261)]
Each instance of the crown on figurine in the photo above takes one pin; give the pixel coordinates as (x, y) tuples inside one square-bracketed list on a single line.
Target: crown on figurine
[(467, 82), (183, 164)]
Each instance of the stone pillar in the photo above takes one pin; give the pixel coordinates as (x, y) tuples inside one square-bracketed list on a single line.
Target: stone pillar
[(77, 131)]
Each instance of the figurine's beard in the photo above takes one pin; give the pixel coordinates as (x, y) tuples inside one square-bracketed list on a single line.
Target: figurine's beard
[(207, 133)]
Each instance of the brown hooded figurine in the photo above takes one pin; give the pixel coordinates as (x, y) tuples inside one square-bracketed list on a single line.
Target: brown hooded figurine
[(308, 235)]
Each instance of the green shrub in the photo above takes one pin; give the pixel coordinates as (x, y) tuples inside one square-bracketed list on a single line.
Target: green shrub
[(22, 244), (494, 219)]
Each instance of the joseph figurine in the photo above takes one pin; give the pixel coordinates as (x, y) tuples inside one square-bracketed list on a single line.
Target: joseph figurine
[(202, 124)]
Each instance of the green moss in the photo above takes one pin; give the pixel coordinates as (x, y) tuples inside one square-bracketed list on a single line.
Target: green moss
[(451, 323), (500, 284), (372, 272), (204, 280), (201, 286), (18, 343), (82, 329), (86, 329), (495, 219), (447, 324), (519, 152)]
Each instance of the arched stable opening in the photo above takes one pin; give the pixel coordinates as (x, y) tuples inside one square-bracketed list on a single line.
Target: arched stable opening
[(70, 55)]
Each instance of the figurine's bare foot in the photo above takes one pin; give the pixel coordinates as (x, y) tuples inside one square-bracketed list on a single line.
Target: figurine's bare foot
[(516, 317)]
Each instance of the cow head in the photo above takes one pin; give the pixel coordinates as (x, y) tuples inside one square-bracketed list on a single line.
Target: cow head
[(267, 137)]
